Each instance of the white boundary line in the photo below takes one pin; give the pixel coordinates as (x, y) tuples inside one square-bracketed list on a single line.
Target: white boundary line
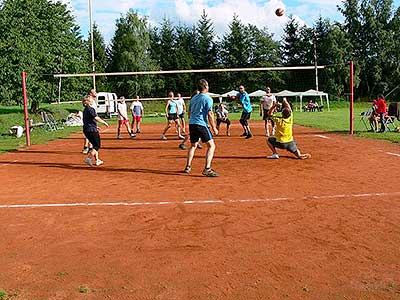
[(393, 154), (322, 136), (197, 202)]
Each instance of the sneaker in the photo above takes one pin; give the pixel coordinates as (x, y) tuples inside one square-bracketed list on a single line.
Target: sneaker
[(305, 156), (163, 137), (181, 137), (182, 146), (187, 169), (89, 161), (249, 136), (273, 156), (99, 162), (119, 137), (199, 146), (210, 173), (244, 134), (228, 134), (132, 135), (85, 150)]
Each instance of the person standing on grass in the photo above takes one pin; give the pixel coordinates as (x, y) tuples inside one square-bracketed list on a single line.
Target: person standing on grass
[(243, 98), (266, 103), (181, 112), (91, 131), (123, 117), (284, 132), (171, 111), (381, 110), (137, 114), (200, 115), (86, 145)]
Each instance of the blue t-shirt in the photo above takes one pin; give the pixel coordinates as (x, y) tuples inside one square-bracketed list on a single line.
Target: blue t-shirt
[(199, 107), (89, 121), (172, 107), (245, 100)]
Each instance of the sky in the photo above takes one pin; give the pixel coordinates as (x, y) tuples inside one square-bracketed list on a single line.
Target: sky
[(257, 12)]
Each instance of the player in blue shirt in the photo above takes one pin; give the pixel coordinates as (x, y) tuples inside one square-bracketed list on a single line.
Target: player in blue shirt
[(244, 99), (200, 115)]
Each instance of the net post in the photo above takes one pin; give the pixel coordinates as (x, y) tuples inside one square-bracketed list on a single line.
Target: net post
[(26, 116), (351, 97)]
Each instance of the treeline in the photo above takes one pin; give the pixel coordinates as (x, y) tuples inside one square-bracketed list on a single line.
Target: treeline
[(42, 38)]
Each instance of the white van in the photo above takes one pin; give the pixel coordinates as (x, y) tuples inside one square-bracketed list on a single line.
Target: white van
[(107, 104)]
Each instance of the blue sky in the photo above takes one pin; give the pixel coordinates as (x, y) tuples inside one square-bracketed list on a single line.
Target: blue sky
[(257, 12)]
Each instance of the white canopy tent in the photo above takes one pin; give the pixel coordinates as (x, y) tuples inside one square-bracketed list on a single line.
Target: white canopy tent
[(213, 95), (258, 93), (309, 93), (230, 93)]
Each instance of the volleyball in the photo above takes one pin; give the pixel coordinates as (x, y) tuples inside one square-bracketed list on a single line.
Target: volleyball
[(279, 12)]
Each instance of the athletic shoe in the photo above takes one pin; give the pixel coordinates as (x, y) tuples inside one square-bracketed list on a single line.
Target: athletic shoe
[(99, 162), (119, 137), (273, 156), (210, 173), (244, 134), (163, 137), (181, 137), (187, 169), (199, 146), (249, 136), (182, 146), (132, 135), (228, 134), (305, 156), (85, 150), (138, 131), (89, 161)]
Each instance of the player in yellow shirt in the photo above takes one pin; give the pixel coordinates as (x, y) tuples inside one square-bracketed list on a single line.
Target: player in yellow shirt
[(283, 138)]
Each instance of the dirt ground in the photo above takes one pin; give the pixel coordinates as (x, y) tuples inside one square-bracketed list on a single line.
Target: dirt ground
[(324, 228)]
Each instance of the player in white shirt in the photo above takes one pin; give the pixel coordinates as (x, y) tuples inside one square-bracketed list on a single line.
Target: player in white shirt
[(266, 103), (123, 117), (181, 107), (137, 114)]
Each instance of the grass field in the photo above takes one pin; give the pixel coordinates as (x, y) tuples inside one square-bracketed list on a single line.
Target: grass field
[(337, 120)]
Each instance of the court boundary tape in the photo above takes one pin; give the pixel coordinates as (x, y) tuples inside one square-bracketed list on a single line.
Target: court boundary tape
[(197, 202)]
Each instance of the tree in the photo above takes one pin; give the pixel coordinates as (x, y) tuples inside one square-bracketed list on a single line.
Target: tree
[(207, 47), (129, 52), (36, 35)]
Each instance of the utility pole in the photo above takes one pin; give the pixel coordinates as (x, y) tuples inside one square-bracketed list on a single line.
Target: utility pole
[(92, 43)]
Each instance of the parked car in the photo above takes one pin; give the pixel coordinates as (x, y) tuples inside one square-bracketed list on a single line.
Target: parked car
[(107, 104)]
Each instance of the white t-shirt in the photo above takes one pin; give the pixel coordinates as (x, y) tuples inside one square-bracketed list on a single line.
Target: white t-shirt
[(222, 114), (122, 111), (136, 108), (180, 104), (268, 101)]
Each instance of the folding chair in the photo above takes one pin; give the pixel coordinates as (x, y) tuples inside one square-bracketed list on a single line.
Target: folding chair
[(389, 123), (48, 125), (57, 124), (365, 119)]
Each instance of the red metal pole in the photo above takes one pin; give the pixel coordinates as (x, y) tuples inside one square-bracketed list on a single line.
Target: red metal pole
[(351, 98), (27, 125)]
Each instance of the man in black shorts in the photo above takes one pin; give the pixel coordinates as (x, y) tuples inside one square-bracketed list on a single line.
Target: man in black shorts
[(200, 113)]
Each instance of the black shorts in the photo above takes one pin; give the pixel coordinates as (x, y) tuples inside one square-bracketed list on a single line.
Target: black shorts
[(181, 116), (227, 122), (245, 115), (173, 117), (198, 132), (290, 146), (266, 116), (94, 139)]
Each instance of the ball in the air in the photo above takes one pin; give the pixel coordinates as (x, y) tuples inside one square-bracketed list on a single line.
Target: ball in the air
[(279, 12)]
